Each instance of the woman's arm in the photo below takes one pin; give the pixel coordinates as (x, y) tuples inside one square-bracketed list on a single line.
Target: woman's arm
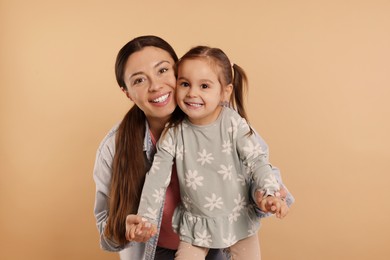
[(102, 176)]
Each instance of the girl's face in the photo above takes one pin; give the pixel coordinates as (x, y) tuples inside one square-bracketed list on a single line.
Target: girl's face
[(199, 92), (151, 82)]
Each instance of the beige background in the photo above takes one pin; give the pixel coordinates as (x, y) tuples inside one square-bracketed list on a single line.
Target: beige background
[(320, 86)]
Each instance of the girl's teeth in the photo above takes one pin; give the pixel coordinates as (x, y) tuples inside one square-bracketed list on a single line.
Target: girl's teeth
[(194, 105), (161, 99)]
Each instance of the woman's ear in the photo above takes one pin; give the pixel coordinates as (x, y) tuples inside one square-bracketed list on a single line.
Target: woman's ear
[(126, 93)]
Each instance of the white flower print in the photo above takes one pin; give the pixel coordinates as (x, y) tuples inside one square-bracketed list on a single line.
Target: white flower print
[(168, 145), (187, 202), (252, 229), (214, 202), (271, 183), (233, 128), (227, 147), (249, 167), (241, 179), (205, 157), (159, 195), (244, 124), (230, 240), (180, 152), (233, 216), (203, 239), (240, 203), (226, 171), (253, 150), (193, 180), (152, 214)]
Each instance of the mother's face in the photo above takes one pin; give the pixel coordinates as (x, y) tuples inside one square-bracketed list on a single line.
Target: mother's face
[(151, 82)]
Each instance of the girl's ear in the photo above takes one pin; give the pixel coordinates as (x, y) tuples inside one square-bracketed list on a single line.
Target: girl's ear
[(227, 92), (126, 93)]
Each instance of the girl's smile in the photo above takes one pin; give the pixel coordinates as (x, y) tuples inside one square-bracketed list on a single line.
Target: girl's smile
[(199, 91)]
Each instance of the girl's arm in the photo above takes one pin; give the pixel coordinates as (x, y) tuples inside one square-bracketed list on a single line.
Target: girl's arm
[(256, 195), (158, 179)]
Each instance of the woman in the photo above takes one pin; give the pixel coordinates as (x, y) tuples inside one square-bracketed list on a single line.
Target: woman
[(145, 72)]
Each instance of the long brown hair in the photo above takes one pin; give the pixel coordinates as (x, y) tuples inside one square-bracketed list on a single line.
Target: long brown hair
[(129, 167), (227, 72)]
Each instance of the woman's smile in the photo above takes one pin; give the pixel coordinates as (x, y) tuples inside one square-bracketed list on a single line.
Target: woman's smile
[(161, 99)]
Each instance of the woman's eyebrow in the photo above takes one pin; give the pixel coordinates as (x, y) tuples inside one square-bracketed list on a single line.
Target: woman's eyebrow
[(140, 72), (161, 62), (135, 74)]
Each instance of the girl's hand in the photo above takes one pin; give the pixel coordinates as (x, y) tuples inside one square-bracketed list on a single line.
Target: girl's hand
[(275, 205), (259, 195), (139, 229)]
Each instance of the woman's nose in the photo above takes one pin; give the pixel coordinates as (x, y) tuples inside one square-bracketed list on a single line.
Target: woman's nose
[(155, 84)]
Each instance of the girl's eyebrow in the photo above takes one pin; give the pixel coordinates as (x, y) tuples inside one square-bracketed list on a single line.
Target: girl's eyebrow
[(182, 78), (201, 80), (155, 66)]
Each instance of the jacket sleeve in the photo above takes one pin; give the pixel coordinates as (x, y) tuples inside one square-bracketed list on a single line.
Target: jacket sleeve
[(102, 176)]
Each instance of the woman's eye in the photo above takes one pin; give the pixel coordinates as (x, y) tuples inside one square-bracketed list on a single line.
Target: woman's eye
[(161, 71), (138, 81)]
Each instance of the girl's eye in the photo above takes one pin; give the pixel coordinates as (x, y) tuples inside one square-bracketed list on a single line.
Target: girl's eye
[(184, 84), (203, 86)]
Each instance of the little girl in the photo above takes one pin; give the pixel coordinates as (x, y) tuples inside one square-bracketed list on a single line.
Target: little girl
[(216, 156)]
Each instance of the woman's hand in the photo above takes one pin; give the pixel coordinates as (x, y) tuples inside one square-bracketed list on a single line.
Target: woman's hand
[(139, 229)]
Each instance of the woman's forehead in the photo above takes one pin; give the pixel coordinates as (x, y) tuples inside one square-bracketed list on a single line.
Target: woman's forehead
[(146, 58)]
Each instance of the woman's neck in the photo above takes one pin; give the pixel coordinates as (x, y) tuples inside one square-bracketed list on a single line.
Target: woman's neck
[(156, 126)]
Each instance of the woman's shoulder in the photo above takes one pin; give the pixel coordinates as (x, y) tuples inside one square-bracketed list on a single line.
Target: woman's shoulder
[(109, 140)]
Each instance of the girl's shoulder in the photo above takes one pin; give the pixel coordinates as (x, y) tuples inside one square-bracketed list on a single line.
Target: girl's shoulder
[(232, 116)]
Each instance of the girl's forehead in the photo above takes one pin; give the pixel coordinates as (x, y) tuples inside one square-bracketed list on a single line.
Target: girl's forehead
[(205, 62)]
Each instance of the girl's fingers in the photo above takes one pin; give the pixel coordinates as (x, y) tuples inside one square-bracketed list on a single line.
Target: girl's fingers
[(130, 232)]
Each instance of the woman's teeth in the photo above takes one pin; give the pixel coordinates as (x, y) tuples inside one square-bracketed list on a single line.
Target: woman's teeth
[(160, 99)]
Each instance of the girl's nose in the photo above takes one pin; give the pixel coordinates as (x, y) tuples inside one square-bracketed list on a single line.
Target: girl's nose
[(191, 92)]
